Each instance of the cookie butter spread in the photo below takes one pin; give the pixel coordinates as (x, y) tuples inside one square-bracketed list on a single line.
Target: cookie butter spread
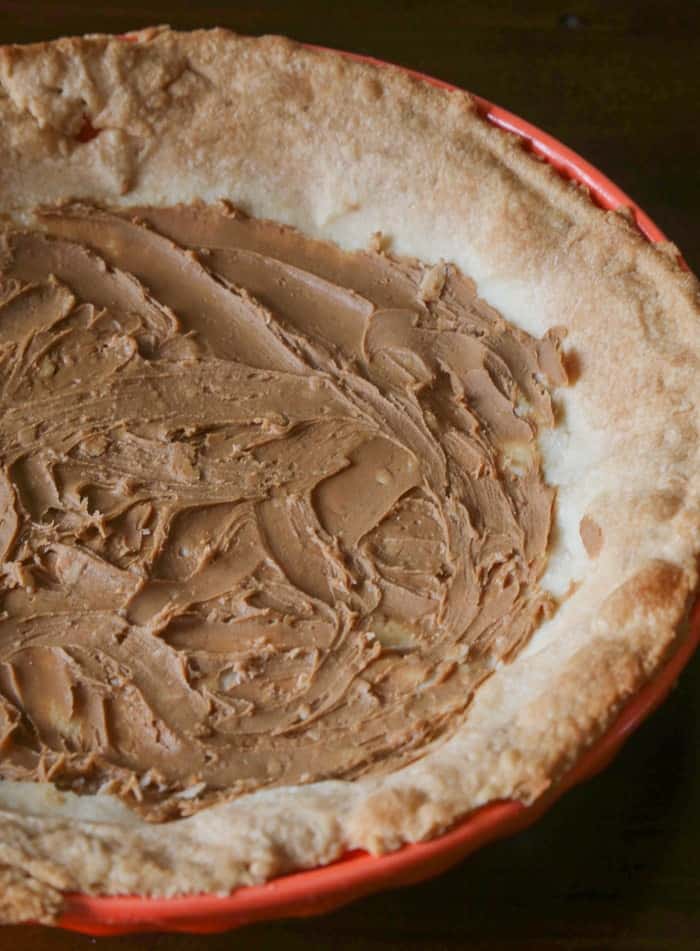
[(270, 511)]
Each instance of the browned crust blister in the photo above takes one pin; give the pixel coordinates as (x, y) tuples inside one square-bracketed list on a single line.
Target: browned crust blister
[(334, 147), (24, 898)]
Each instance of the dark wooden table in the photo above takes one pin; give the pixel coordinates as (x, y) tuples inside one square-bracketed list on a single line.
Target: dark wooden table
[(617, 863)]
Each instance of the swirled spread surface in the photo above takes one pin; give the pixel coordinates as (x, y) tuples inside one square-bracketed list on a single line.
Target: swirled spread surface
[(270, 511)]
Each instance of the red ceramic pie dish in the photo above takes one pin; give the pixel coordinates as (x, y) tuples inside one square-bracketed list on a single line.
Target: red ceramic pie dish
[(358, 873)]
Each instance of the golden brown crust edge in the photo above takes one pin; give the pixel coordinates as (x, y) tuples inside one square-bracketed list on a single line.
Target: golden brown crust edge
[(152, 99)]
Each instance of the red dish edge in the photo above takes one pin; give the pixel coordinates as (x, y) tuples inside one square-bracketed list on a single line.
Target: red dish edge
[(358, 873)]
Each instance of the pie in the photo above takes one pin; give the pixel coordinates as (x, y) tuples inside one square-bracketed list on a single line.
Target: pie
[(348, 463)]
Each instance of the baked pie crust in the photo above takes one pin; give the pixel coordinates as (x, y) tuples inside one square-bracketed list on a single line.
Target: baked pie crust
[(344, 151)]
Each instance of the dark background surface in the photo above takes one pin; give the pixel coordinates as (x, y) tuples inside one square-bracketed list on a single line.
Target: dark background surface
[(616, 864)]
